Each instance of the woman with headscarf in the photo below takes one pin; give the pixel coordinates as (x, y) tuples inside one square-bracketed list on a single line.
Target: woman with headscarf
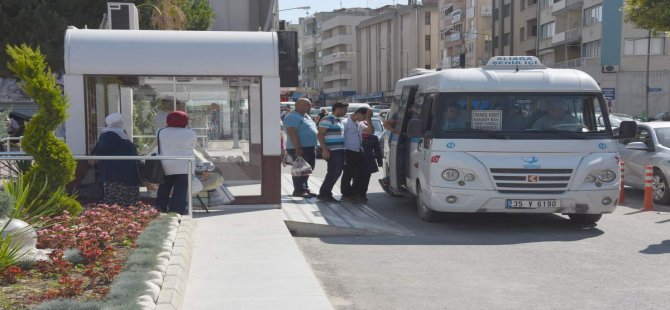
[(175, 140), (120, 178)]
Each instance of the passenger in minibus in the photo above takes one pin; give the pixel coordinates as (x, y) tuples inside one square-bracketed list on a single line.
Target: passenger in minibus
[(454, 117)]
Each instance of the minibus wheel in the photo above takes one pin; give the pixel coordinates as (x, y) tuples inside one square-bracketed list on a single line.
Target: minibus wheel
[(425, 213), (585, 218)]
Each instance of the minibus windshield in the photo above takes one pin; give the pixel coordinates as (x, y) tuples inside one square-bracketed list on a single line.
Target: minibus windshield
[(562, 115)]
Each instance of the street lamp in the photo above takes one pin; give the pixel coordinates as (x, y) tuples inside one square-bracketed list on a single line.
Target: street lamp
[(297, 8)]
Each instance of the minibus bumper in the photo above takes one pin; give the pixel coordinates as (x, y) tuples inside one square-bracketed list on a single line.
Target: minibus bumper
[(568, 202)]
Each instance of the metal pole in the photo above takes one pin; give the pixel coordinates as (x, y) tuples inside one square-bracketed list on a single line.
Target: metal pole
[(646, 83), (190, 180)]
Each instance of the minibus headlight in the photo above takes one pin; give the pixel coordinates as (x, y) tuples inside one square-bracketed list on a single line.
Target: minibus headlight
[(606, 176), (591, 178), (450, 174), (469, 177)]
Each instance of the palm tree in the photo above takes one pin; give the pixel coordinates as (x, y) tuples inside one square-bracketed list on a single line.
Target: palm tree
[(166, 15)]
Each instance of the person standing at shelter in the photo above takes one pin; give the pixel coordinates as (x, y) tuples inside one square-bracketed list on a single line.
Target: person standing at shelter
[(301, 132), (331, 138), (175, 140), (120, 178), (354, 128)]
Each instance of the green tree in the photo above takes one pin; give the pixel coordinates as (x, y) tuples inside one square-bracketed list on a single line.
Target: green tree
[(54, 165), (42, 23), (653, 15), (176, 14)]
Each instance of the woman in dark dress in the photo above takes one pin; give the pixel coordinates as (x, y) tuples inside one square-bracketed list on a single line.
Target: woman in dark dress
[(120, 178)]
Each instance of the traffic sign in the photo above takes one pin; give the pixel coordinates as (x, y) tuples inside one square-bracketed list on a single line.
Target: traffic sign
[(609, 93), (655, 90)]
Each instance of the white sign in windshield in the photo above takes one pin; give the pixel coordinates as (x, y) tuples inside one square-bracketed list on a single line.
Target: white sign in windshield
[(487, 120)]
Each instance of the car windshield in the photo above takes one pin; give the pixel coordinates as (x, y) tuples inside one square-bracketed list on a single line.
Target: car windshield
[(377, 124), (518, 113), (663, 136)]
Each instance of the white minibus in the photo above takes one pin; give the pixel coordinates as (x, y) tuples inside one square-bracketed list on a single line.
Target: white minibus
[(511, 137)]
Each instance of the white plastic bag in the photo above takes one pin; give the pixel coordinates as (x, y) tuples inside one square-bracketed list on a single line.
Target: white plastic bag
[(196, 185), (301, 168)]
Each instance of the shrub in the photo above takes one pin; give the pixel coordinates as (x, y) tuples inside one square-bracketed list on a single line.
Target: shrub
[(31, 206), (52, 157), (7, 203)]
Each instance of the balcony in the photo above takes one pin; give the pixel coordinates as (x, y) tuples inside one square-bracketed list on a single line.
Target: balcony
[(563, 6), (308, 42), (337, 75), (469, 13), (338, 89), (569, 36), (456, 17), (469, 36), (337, 57), (337, 40), (577, 63), (486, 11), (456, 36)]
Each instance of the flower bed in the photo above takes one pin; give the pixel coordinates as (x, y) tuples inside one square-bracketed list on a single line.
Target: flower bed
[(89, 251)]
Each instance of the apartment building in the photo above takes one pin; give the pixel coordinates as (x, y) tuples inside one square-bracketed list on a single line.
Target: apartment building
[(465, 33), (391, 44), (329, 49), (250, 15), (570, 34)]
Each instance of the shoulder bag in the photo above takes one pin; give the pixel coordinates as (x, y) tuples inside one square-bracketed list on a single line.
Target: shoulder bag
[(153, 168)]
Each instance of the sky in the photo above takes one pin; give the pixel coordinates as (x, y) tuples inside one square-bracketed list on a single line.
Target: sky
[(326, 6)]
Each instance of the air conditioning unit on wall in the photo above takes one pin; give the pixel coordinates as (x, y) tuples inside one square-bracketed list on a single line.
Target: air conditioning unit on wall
[(610, 68), (122, 16)]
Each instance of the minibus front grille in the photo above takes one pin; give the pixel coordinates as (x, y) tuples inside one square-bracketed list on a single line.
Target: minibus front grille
[(533, 181)]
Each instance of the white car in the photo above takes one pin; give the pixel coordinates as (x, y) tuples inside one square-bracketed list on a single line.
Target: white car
[(651, 146)]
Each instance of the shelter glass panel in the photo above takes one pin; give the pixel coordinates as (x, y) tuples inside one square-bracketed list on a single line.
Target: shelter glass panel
[(224, 112)]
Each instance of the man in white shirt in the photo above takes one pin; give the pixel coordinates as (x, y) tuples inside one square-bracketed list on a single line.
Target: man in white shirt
[(354, 127)]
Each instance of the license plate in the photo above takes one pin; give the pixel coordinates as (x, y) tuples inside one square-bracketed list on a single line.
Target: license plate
[(531, 204)]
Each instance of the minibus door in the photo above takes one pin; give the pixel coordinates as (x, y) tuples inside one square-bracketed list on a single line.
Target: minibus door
[(399, 141), (420, 155)]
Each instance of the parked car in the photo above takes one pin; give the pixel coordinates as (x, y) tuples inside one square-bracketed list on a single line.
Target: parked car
[(615, 120), (651, 146), (384, 113), (355, 106), (660, 117)]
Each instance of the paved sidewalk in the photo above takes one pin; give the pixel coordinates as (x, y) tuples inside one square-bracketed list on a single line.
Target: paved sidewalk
[(245, 258)]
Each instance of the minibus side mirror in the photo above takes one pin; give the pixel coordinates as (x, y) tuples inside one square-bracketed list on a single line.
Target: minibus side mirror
[(627, 129), (640, 146), (414, 128)]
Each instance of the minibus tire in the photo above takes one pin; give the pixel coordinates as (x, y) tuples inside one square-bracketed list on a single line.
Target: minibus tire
[(425, 213), (585, 218)]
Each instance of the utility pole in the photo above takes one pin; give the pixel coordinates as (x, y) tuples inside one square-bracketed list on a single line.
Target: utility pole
[(646, 83)]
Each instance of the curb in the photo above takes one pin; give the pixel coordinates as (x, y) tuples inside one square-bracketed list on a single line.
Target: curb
[(173, 288)]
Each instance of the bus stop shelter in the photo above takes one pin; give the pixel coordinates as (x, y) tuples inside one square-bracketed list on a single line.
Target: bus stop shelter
[(228, 83)]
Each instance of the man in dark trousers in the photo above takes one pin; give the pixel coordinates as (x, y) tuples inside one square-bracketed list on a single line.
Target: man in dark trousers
[(354, 128), (301, 132)]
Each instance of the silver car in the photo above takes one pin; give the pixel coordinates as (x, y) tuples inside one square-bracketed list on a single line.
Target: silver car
[(651, 146)]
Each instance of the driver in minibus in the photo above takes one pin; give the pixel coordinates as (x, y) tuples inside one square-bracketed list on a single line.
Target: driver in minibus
[(556, 117), (454, 118)]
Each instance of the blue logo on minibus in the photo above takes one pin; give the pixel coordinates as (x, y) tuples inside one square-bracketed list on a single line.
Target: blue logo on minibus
[(602, 146), (451, 145)]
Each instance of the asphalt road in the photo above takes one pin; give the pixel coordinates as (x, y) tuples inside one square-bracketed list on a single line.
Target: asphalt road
[(498, 261)]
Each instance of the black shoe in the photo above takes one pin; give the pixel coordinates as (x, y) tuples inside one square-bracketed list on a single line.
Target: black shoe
[(362, 198), (325, 198), (298, 194), (348, 198), (309, 194)]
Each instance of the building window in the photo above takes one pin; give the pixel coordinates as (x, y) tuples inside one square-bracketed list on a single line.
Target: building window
[(522, 33), (547, 30), (487, 46), (505, 39), (532, 2), (593, 15), (427, 18), (495, 14), (639, 46), (427, 43), (591, 49), (531, 26), (546, 3), (506, 10), (522, 4)]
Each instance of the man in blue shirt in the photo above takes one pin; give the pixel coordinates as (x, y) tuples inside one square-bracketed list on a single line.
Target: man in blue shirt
[(301, 132)]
